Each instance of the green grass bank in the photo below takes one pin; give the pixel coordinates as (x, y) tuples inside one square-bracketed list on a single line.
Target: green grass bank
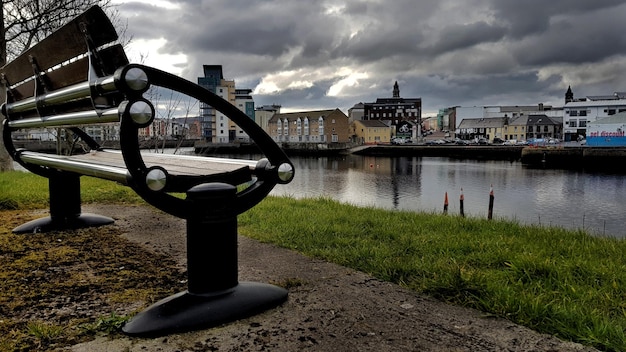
[(562, 282)]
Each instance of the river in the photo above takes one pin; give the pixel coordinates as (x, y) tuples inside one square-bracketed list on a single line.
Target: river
[(549, 197)]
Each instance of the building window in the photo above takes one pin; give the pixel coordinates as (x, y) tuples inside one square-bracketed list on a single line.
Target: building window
[(582, 123), (573, 123), (582, 113), (573, 113), (545, 128)]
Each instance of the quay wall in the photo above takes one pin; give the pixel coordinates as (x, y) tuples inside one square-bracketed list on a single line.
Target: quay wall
[(450, 151), (576, 158), (586, 158)]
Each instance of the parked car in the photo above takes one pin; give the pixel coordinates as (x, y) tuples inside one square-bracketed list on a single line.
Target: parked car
[(554, 141), (436, 142), (510, 142), (483, 141), (398, 140), (498, 141), (461, 142)]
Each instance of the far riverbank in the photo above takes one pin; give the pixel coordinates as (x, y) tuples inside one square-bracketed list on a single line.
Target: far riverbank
[(578, 158)]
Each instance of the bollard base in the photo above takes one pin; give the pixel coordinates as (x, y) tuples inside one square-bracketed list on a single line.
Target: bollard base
[(49, 224), (185, 312)]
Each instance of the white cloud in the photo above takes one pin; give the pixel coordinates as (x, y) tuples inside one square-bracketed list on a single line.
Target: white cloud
[(168, 5), (351, 79), (150, 52)]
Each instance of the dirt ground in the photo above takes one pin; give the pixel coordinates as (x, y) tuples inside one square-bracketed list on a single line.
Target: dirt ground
[(334, 308)]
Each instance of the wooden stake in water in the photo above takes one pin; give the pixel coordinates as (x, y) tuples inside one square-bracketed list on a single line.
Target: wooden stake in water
[(461, 199), (490, 213), (445, 204)]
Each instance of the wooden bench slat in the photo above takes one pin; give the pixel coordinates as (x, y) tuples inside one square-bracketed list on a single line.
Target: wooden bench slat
[(179, 165), (64, 44)]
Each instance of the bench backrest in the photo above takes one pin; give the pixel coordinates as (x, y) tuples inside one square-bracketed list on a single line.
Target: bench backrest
[(67, 57)]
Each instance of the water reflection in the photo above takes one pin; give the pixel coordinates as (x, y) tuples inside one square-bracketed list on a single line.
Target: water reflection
[(595, 202)]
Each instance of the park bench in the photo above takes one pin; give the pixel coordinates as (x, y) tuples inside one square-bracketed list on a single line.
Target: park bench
[(78, 77)]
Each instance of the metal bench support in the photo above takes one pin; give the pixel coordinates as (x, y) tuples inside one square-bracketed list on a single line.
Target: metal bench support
[(214, 295), (65, 211)]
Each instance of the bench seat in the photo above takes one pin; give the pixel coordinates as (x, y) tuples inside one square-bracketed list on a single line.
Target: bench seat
[(109, 164)]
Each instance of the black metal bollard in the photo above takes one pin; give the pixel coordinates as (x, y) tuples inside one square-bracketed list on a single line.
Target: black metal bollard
[(212, 239), (490, 213), (461, 199)]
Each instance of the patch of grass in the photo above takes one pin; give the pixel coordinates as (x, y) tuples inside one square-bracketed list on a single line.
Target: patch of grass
[(289, 283), (25, 190), (59, 289), (106, 325), (45, 333), (553, 280)]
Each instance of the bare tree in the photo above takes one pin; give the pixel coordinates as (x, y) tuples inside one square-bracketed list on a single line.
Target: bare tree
[(26, 22)]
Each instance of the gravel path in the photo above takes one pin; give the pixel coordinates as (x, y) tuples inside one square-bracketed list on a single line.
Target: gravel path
[(334, 308)]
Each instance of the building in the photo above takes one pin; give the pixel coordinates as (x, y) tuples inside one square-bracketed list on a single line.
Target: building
[(578, 113), (322, 126), (516, 129), (488, 128), (357, 112), (165, 129), (217, 127), (608, 131), (245, 103), (263, 114), (446, 119), (510, 112), (431, 123), (542, 126), (395, 109), (371, 132), (212, 79)]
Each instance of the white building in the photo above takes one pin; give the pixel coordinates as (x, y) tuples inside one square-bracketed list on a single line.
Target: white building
[(608, 131), (579, 113)]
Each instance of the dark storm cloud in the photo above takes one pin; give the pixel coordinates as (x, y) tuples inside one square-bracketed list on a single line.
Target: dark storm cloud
[(463, 36), (447, 52), (582, 38), (531, 17)]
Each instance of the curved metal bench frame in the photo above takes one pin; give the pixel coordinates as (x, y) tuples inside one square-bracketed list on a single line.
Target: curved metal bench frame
[(214, 295)]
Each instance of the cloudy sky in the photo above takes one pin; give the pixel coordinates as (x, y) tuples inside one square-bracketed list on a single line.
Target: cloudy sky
[(307, 55)]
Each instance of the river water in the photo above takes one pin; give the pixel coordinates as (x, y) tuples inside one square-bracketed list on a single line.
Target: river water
[(548, 197)]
